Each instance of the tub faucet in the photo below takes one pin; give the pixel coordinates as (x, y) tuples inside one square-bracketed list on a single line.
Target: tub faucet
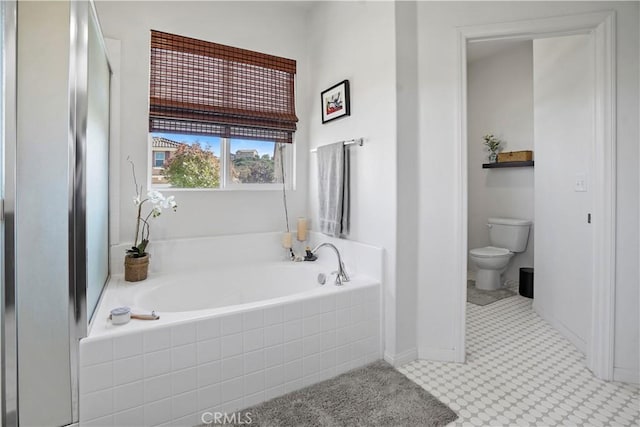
[(342, 275)]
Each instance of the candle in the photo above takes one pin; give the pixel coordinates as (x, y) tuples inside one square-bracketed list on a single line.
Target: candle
[(302, 229), (286, 240), (120, 315)]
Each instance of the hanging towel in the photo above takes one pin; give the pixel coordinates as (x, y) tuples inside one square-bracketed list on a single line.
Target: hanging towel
[(333, 189)]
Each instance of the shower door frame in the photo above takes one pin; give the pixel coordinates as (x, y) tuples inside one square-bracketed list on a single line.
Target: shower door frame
[(601, 27), (81, 13), (8, 342)]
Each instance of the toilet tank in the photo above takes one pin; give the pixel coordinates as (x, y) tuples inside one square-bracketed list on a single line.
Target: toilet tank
[(509, 233)]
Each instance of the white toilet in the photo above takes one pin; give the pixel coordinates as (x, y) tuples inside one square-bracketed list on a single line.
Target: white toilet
[(507, 236)]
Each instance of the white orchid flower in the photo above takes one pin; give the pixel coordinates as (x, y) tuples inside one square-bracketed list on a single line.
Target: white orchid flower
[(158, 203), (155, 197), (168, 202)]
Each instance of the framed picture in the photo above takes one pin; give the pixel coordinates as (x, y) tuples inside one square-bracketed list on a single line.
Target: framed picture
[(335, 102)]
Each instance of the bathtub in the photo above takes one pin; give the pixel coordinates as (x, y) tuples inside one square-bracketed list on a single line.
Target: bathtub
[(228, 337), (228, 287)]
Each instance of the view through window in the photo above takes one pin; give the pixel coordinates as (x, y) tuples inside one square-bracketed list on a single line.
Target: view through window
[(200, 161)]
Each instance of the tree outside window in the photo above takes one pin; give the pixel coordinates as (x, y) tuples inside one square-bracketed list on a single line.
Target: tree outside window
[(193, 167), (200, 162)]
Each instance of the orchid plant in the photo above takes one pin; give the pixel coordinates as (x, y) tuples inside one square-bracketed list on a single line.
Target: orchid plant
[(158, 203)]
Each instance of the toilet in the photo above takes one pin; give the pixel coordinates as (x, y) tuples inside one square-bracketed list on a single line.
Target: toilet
[(508, 236)]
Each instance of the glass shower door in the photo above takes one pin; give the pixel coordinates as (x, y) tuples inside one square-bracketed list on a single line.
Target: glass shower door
[(97, 166)]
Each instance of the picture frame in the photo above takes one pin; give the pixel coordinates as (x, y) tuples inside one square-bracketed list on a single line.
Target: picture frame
[(335, 102)]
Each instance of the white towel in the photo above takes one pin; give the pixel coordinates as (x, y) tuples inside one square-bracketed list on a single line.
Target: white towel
[(333, 189)]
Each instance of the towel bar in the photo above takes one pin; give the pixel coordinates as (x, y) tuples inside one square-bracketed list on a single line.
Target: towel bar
[(359, 141)]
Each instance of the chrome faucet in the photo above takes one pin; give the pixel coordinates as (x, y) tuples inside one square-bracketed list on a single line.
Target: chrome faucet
[(341, 274)]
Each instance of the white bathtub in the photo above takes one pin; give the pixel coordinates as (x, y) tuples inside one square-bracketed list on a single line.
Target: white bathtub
[(232, 286), (227, 338), (183, 296)]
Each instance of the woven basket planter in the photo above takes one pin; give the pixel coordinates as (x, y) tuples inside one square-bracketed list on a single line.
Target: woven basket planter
[(136, 269)]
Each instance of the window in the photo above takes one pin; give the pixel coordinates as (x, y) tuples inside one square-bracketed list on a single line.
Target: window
[(254, 162), (227, 114), (158, 159), (220, 163)]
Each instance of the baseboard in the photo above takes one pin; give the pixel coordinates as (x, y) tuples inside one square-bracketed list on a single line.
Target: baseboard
[(438, 354), (626, 375), (401, 358), (574, 339)]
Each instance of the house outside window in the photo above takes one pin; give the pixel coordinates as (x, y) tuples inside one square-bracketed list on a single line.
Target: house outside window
[(209, 162), (162, 149)]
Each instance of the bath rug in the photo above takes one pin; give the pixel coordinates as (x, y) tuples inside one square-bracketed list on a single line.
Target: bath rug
[(481, 297), (374, 395)]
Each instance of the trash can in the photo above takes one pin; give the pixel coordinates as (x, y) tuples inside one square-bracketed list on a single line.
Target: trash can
[(526, 282)]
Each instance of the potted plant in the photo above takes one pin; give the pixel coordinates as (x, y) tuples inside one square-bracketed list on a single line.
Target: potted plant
[(493, 145), (136, 262)]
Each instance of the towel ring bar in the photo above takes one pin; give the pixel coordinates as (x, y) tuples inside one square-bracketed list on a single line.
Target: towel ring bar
[(358, 141)]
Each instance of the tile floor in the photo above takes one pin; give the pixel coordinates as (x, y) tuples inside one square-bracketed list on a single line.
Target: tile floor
[(521, 372)]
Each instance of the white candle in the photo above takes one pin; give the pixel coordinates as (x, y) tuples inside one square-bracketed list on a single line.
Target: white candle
[(286, 241), (302, 229), (120, 315)]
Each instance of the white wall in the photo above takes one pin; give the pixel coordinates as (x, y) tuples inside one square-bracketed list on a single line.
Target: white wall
[(356, 41), (277, 28), (407, 260), (437, 47), (500, 101), (563, 111)]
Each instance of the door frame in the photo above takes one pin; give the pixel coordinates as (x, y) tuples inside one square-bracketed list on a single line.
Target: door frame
[(601, 27)]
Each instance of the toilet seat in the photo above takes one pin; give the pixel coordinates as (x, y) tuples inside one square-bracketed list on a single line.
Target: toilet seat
[(489, 252)]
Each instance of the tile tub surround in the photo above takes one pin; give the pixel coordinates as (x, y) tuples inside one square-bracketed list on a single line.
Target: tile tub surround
[(172, 373), (167, 371), (179, 255), (182, 258)]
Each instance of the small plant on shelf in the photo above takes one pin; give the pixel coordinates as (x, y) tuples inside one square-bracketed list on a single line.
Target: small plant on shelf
[(493, 145)]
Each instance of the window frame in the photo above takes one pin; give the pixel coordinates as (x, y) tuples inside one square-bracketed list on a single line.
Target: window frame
[(225, 170)]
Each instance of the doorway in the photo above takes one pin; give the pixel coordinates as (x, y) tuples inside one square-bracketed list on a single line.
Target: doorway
[(600, 28), (518, 89), (499, 103)]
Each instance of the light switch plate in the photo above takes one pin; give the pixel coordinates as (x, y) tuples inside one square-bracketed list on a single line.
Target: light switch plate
[(580, 183)]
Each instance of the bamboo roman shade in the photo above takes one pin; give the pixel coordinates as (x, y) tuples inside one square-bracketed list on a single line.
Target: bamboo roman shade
[(199, 87)]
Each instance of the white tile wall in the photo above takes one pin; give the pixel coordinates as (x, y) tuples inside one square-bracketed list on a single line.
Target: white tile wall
[(177, 255), (171, 374)]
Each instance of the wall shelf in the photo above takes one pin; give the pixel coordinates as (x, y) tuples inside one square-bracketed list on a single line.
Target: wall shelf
[(528, 163)]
